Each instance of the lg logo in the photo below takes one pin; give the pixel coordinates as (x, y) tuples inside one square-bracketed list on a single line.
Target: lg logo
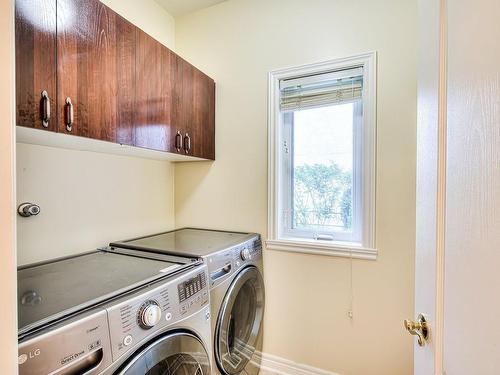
[(24, 357)]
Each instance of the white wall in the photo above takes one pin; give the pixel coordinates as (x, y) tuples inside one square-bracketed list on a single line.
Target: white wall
[(88, 199), (8, 295), (237, 43)]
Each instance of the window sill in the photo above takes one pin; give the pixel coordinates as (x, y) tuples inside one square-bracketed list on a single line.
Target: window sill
[(334, 249)]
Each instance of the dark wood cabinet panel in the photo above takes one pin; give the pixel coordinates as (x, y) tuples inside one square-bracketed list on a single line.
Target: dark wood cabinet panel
[(126, 80), (183, 103), (96, 55), (153, 118), (194, 109), (35, 62), (203, 128), (108, 80)]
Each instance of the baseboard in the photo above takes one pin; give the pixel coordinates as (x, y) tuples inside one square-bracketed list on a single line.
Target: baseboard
[(277, 365)]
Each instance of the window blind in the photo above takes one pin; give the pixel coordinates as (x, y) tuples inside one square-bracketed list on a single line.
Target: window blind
[(318, 90)]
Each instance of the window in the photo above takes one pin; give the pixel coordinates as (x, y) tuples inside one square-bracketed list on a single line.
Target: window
[(322, 158)]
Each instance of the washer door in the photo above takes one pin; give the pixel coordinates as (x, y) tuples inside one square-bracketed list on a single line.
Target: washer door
[(240, 321), (178, 353)]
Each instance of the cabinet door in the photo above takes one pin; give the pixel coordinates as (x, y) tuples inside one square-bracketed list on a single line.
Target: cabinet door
[(194, 110), (96, 57), (36, 63), (153, 128), (183, 104), (203, 127)]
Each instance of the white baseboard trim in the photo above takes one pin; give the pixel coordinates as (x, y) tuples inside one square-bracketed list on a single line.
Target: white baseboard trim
[(277, 365)]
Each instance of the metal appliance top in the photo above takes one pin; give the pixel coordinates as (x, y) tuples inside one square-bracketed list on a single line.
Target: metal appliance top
[(192, 242), (51, 291)]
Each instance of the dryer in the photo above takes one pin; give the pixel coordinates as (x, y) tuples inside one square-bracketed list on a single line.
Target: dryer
[(237, 294), (115, 312)]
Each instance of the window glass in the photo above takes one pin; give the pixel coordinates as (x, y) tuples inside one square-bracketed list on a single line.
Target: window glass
[(322, 168)]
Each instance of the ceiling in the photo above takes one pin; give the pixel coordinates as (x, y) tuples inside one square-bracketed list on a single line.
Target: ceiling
[(180, 7)]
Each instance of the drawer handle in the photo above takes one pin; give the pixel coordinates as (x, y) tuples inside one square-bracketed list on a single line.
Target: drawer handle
[(70, 114), (187, 143), (178, 141), (45, 109)]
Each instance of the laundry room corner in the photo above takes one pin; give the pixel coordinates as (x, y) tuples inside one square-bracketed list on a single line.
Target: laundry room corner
[(309, 296)]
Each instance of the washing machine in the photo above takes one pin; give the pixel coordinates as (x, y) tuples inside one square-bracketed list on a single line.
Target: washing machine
[(237, 294), (115, 312)]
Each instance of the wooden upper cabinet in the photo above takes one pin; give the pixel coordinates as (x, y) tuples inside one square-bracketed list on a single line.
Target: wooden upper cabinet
[(82, 69), (203, 128), (194, 110), (153, 109), (183, 104), (95, 68), (36, 64)]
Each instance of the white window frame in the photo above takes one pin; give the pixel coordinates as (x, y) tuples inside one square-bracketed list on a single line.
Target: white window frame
[(280, 239)]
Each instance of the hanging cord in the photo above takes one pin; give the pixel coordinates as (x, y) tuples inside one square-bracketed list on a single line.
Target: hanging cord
[(350, 312)]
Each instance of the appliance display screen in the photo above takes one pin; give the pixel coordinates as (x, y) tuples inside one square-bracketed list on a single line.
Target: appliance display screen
[(189, 288)]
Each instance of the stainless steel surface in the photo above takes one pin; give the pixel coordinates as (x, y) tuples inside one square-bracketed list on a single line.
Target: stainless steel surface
[(74, 348), (69, 285), (70, 114), (28, 209), (239, 323), (237, 304), (125, 315), (45, 109), (235, 269), (187, 143), (187, 242), (108, 338)]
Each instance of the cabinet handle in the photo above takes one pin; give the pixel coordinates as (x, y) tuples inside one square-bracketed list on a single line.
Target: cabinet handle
[(70, 114), (187, 143), (178, 141), (45, 109)]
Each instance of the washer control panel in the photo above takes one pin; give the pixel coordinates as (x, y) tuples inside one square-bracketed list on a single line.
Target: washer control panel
[(192, 293), (136, 318), (249, 251), (149, 314), (225, 263)]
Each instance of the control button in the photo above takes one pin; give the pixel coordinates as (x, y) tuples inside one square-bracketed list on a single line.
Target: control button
[(127, 340), (168, 316), (149, 314), (245, 254)]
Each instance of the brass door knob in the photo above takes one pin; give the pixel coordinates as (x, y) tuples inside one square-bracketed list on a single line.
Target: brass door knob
[(419, 328)]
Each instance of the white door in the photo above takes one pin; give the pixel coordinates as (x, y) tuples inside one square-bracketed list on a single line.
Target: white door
[(458, 187)]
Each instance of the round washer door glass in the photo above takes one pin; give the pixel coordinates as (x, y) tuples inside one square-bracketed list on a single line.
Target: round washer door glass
[(240, 320), (178, 353)]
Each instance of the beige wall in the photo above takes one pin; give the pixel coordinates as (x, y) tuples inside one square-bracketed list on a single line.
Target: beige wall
[(238, 42), (149, 16), (8, 332), (88, 199)]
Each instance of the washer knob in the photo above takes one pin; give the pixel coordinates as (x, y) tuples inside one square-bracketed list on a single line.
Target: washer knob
[(149, 314), (245, 254)]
